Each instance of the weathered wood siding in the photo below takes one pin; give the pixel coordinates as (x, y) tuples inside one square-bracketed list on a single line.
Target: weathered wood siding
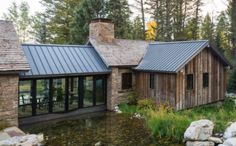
[(164, 87), (204, 62), (171, 88)]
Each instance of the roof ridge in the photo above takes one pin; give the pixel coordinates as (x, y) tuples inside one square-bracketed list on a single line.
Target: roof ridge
[(176, 42), (58, 45)]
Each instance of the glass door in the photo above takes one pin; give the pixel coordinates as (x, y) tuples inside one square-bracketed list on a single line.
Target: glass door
[(100, 91), (73, 93)]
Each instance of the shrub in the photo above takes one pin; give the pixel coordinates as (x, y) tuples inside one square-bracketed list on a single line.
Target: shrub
[(232, 82), (132, 98), (146, 103)]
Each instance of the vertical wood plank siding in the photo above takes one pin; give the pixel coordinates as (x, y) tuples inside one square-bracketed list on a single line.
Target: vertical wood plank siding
[(164, 88), (171, 88)]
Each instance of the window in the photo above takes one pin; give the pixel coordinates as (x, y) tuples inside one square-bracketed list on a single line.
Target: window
[(205, 80), (126, 81), (88, 91), (42, 96), (58, 95), (25, 98), (189, 81), (151, 80)]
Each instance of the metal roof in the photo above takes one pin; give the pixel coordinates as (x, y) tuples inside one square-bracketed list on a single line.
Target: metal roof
[(56, 60), (170, 57)]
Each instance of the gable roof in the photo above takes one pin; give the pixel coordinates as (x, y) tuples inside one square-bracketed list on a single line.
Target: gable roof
[(170, 57), (58, 60), (121, 52), (12, 57)]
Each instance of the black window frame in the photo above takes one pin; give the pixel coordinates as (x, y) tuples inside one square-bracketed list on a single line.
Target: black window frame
[(205, 80), (151, 80), (190, 81), (127, 81)]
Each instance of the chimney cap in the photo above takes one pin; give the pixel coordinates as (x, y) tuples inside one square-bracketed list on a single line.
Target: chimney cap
[(101, 20)]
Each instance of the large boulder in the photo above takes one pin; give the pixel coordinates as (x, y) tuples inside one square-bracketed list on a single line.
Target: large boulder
[(199, 130), (230, 142), (230, 131), (200, 143), (216, 140)]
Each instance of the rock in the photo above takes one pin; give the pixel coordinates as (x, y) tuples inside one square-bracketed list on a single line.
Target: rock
[(230, 142), (199, 130), (14, 131), (222, 145), (200, 143), (230, 131), (4, 136), (216, 140), (98, 143)]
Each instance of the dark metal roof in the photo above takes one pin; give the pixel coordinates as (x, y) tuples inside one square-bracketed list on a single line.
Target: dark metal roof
[(170, 57), (56, 60)]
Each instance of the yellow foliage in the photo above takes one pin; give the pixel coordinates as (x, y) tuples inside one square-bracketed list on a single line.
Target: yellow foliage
[(151, 30)]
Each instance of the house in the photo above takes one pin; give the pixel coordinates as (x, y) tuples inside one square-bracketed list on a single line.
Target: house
[(55, 79)]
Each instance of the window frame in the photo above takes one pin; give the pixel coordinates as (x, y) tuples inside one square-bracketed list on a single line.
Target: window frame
[(152, 81), (189, 81), (126, 81), (205, 80)]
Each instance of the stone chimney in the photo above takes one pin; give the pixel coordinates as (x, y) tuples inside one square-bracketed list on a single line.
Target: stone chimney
[(102, 30)]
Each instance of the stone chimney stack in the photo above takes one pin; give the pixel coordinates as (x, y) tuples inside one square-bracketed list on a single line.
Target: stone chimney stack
[(102, 30)]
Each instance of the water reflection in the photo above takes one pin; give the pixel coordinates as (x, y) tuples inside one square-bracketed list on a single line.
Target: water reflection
[(108, 130)]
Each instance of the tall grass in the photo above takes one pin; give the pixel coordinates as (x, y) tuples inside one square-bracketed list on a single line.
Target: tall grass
[(166, 123)]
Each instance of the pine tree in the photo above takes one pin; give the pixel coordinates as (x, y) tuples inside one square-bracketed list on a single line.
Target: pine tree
[(207, 29), (232, 82), (119, 12), (84, 14), (60, 14), (40, 28), (139, 6), (21, 20), (137, 29), (233, 27)]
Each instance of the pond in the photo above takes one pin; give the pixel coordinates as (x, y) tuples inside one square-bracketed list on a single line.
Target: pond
[(108, 129)]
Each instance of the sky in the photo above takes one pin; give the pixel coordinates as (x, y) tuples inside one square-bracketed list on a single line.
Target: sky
[(210, 6)]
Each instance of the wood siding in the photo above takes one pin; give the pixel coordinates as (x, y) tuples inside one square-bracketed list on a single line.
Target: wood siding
[(204, 62), (164, 87), (171, 88)]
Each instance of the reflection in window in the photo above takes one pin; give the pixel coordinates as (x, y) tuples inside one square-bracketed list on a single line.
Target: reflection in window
[(73, 93), (25, 98), (100, 96), (126, 81), (205, 80), (88, 91), (190, 82), (58, 95), (42, 96)]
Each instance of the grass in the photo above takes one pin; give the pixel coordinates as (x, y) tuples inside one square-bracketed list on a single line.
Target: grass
[(168, 124)]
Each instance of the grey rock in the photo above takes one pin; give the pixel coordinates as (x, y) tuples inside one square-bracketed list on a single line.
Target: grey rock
[(199, 130), (200, 143), (216, 140), (230, 142), (230, 131)]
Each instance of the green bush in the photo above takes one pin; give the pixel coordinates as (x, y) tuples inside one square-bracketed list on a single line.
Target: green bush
[(132, 98), (146, 103)]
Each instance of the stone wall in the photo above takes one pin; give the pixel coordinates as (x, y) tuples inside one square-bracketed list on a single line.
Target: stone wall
[(115, 94), (9, 99)]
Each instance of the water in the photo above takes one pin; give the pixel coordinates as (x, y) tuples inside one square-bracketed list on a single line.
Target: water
[(109, 129)]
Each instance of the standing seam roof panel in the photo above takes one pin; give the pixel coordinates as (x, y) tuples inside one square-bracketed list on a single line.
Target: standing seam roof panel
[(49, 60)]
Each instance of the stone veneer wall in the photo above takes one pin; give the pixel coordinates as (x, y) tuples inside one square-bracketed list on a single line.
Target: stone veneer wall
[(115, 94), (9, 99)]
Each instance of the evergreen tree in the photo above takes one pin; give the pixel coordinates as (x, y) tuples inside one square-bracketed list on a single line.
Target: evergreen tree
[(139, 6), (222, 39), (119, 12), (21, 20), (60, 14), (232, 10), (232, 82), (207, 29), (40, 28), (84, 14), (137, 29)]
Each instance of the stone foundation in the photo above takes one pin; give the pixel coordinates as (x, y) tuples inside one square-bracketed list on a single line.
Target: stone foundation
[(115, 94), (9, 99)]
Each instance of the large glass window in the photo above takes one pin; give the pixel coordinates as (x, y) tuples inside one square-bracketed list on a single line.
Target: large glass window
[(88, 91), (42, 96), (58, 95), (25, 98), (100, 91), (73, 93)]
